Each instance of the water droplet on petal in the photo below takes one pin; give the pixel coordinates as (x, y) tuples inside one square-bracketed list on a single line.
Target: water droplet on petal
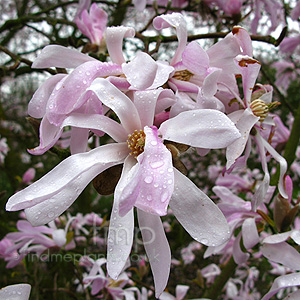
[(164, 197), (51, 214), (153, 143), (149, 198), (148, 179), (156, 164)]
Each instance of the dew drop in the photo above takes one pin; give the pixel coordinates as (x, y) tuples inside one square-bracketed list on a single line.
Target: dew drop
[(156, 164), (51, 214), (164, 197), (170, 170), (149, 198), (148, 179), (153, 143)]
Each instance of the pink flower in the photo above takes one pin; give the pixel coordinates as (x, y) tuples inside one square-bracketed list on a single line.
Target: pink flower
[(289, 44), (147, 182), (93, 23)]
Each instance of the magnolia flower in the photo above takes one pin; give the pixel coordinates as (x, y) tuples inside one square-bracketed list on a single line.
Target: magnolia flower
[(256, 105), (198, 71), (33, 240), (239, 215), (15, 292), (148, 179), (93, 23)]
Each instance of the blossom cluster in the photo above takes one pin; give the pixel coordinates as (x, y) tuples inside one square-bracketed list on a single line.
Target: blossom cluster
[(132, 128)]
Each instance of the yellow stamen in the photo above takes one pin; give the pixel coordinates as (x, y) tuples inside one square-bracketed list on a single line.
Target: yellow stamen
[(136, 142)]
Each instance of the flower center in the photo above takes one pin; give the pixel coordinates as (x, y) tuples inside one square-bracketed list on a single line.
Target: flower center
[(184, 75), (261, 109), (136, 142)]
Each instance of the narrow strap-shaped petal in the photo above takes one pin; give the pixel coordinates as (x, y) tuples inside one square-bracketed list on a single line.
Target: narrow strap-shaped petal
[(49, 135), (97, 122), (177, 21), (120, 234), (282, 253), (283, 167), (114, 42), (157, 249), (79, 140), (118, 102), (249, 233), (60, 57), (245, 123), (206, 224), (15, 292), (72, 92), (151, 187), (156, 175), (282, 282), (203, 128), (59, 180), (38, 102), (239, 256), (249, 68)]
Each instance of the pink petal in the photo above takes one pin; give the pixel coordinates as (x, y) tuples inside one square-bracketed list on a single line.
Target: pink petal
[(249, 69), (195, 59), (157, 249), (203, 128), (177, 21), (206, 224), (152, 185), (244, 40), (38, 102), (63, 179), (60, 57), (74, 88), (114, 42), (156, 176)]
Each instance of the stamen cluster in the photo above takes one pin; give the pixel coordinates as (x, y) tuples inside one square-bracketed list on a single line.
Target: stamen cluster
[(136, 142), (259, 109)]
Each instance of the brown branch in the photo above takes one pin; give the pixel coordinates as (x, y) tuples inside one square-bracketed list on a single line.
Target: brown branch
[(18, 58)]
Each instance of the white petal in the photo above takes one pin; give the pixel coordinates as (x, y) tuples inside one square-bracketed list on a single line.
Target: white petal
[(61, 57), (282, 253), (197, 213), (282, 282), (249, 233), (239, 256), (120, 234), (15, 292), (244, 125), (60, 179), (118, 102), (114, 42), (203, 128), (157, 249)]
